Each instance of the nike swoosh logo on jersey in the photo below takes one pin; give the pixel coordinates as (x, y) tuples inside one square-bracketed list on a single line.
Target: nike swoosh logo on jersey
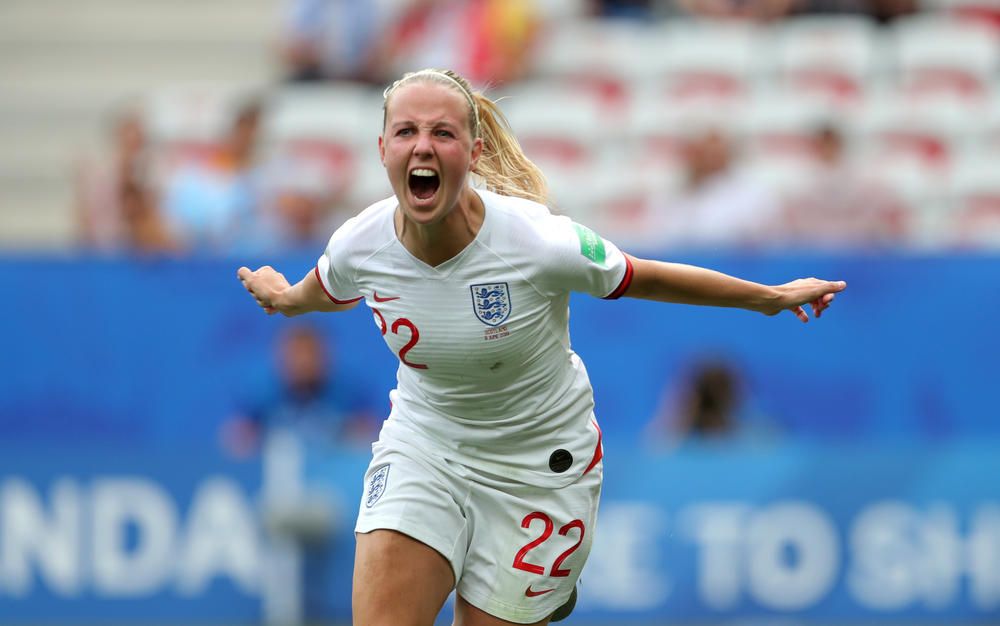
[(379, 298), (531, 593)]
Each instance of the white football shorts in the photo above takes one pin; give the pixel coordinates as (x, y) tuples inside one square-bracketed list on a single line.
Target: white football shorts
[(516, 550)]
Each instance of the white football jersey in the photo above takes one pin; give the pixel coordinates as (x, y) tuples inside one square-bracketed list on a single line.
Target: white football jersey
[(486, 376)]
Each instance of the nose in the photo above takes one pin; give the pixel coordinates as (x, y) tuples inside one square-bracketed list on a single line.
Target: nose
[(423, 145)]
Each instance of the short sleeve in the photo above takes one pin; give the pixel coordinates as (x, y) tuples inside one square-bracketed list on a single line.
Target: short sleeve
[(578, 259), (334, 271)]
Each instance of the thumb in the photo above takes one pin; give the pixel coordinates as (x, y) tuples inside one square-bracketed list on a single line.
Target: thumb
[(243, 273)]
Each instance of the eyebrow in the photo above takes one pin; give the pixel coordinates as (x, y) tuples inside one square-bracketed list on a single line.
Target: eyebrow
[(436, 124)]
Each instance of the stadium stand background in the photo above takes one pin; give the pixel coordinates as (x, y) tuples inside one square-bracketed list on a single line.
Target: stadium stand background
[(844, 472), (67, 67), (915, 100)]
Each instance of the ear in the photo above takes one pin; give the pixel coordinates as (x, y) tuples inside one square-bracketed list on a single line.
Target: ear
[(381, 150), (477, 151)]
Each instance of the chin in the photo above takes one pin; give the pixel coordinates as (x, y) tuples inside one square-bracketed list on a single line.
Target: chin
[(423, 215), (424, 212)]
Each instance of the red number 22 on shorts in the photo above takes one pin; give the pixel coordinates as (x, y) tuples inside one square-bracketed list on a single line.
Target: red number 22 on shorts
[(557, 570)]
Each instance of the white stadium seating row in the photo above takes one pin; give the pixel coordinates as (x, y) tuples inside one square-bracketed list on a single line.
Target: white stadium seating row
[(917, 102)]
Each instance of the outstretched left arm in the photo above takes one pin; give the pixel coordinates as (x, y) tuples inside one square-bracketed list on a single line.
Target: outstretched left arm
[(689, 284)]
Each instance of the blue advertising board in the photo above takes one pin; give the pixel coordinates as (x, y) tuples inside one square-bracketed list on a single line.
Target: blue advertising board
[(811, 534), (700, 534), (162, 349), (128, 535)]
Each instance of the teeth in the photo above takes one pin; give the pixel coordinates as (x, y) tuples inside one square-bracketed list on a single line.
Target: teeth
[(423, 172)]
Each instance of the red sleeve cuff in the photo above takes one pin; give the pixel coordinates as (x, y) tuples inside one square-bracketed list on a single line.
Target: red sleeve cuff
[(626, 281)]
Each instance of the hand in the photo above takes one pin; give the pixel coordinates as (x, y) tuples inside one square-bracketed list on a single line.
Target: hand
[(265, 285), (812, 291)]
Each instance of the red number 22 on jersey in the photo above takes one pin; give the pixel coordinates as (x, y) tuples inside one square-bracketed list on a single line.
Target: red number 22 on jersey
[(414, 337)]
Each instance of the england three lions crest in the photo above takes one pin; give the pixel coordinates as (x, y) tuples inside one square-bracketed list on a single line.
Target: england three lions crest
[(491, 302), (377, 484)]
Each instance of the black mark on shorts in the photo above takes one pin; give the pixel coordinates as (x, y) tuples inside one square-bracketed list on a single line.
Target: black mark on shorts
[(560, 461)]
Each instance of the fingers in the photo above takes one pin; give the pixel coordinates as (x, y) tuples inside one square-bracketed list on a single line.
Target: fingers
[(816, 293), (246, 275), (821, 304)]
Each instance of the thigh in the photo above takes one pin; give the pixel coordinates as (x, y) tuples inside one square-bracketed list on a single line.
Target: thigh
[(417, 498), (411, 540), (527, 548), (398, 581)]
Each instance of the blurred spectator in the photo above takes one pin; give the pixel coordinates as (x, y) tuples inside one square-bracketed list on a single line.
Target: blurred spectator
[(709, 402), (309, 398), (882, 10), (302, 204), (771, 10), (487, 41), (298, 418), (339, 39), (841, 204), (722, 204), (749, 10), (634, 9), (115, 203), (209, 203)]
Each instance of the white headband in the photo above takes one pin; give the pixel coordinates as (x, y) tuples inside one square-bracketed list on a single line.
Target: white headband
[(429, 72)]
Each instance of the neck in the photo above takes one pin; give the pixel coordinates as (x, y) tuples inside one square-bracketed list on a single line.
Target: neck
[(443, 240)]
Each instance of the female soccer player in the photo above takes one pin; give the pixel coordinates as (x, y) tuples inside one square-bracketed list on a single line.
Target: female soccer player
[(487, 472)]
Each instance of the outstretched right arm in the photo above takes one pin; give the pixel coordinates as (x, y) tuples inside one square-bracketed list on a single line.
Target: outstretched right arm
[(274, 294)]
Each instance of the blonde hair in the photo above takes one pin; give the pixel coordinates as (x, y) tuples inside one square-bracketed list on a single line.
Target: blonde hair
[(502, 166)]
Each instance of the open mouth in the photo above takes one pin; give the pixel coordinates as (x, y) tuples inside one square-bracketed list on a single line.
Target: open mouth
[(424, 183)]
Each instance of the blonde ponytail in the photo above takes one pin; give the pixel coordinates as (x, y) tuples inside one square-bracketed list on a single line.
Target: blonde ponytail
[(502, 166)]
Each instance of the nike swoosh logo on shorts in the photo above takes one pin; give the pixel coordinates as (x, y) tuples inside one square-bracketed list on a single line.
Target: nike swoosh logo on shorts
[(379, 298), (532, 593)]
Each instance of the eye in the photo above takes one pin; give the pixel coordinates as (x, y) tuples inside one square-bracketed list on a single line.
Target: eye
[(444, 133), (404, 132)]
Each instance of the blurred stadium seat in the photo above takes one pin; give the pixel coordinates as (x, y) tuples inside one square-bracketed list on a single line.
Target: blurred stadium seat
[(709, 60), (593, 54), (933, 54), (343, 115), (974, 202), (991, 135), (834, 57), (554, 124), (782, 124), (336, 125), (566, 132), (930, 131), (657, 128)]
